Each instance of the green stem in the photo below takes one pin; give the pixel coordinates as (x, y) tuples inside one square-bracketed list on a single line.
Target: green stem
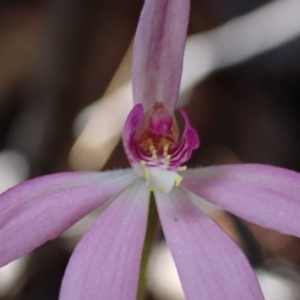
[(149, 239)]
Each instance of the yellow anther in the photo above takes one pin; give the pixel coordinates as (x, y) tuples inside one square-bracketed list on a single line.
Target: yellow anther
[(154, 153), (142, 163), (178, 180), (166, 147), (167, 159), (182, 168)]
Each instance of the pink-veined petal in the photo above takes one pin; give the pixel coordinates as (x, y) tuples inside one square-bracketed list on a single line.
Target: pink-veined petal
[(158, 52), (188, 142), (210, 265), (134, 119), (40, 209), (264, 195), (106, 262)]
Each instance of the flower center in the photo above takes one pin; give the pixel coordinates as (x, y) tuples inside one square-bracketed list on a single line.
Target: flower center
[(160, 152), (157, 126), (152, 144)]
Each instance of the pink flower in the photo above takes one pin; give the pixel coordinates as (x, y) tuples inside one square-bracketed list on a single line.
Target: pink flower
[(106, 262)]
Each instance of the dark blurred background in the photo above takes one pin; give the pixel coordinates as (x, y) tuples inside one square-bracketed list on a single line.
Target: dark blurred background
[(57, 57)]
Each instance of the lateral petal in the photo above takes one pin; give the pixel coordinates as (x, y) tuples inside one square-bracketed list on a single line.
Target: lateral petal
[(158, 52), (106, 262), (265, 195), (39, 210), (134, 119), (210, 265)]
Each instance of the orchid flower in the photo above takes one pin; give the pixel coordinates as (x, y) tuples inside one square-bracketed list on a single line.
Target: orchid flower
[(106, 262)]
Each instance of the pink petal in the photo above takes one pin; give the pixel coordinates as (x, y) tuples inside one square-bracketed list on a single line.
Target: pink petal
[(39, 210), (158, 52), (189, 141), (106, 262), (264, 195), (210, 265), (133, 120)]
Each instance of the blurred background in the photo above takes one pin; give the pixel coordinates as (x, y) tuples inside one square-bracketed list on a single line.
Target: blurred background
[(58, 57)]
